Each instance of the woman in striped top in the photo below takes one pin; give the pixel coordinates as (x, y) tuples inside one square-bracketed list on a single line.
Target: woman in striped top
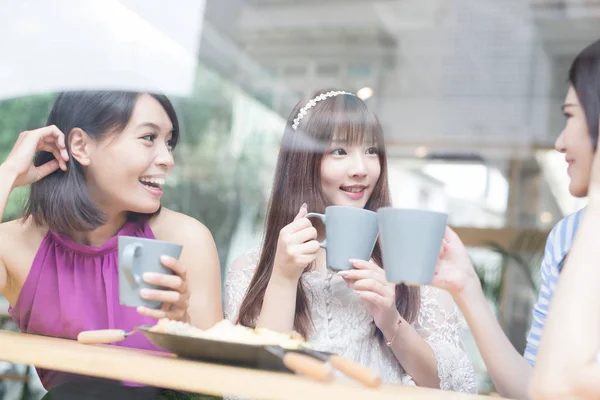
[(509, 370), (568, 359)]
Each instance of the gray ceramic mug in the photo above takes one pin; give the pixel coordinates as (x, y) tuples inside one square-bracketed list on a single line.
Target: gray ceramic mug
[(350, 233), (136, 257), (410, 242)]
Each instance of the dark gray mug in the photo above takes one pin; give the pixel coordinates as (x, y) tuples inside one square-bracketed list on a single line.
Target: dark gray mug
[(350, 233), (410, 242), (136, 257)]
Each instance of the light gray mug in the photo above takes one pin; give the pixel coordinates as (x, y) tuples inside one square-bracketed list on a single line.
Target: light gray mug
[(410, 242), (136, 257), (350, 233)]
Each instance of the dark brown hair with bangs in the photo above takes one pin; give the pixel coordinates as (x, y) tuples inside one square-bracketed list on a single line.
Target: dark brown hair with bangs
[(298, 180)]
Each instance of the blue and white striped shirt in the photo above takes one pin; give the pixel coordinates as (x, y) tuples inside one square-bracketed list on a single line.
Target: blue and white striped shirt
[(558, 245)]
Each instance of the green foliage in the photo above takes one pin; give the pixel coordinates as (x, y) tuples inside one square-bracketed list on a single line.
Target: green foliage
[(21, 114), (17, 115)]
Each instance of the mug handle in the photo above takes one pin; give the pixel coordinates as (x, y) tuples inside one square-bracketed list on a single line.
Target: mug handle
[(129, 253), (322, 217)]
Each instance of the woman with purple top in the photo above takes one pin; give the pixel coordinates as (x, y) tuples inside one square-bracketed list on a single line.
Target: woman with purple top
[(96, 172)]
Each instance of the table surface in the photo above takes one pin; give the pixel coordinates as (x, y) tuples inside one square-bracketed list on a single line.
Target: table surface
[(168, 371)]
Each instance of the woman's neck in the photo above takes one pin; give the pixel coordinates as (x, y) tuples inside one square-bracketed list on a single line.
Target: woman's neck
[(103, 233)]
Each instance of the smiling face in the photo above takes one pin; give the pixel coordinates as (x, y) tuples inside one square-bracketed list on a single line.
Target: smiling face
[(126, 170), (349, 173), (576, 144), (339, 154)]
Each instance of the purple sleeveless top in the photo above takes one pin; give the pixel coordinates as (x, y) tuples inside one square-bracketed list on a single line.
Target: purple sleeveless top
[(72, 288)]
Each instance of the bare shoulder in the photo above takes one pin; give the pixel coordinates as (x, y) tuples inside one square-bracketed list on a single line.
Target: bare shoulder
[(176, 227), (13, 227), (20, 242), (8, 230), (20, 234)]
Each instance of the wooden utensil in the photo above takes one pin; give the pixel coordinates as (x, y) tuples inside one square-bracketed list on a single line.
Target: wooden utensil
[(348, 367), (104, 336), (303, 364)]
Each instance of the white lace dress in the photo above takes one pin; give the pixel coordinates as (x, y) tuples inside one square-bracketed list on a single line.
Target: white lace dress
[(342, 325)]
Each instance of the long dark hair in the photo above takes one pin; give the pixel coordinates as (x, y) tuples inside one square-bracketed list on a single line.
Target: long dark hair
[(584, 75), (61, 201), (298, 180)]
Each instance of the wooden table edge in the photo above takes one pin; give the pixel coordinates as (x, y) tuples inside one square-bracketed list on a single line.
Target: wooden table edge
[(166, 371)]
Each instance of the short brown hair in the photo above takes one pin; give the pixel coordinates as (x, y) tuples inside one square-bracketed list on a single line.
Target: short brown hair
[(60, 200)]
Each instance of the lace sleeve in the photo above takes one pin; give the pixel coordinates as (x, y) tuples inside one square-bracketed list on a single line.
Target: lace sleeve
[(237, 280), (440, 325)]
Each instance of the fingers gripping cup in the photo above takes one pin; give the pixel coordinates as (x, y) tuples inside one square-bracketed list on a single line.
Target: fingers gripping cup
[(136, 257)]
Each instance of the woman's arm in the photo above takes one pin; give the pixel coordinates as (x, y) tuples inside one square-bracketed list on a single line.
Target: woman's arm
[(368, 281), (200, 260), (455, 273), (279, 305), (508, 369), (18, 168), (413, 353), (6, 181), (297, 248), (415, 349), (204, 277), (570, 342)]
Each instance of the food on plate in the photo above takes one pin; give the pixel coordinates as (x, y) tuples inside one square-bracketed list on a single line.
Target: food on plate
[(228, 332)]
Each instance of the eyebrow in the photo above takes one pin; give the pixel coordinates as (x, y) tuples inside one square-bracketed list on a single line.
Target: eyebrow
[(151, 125)]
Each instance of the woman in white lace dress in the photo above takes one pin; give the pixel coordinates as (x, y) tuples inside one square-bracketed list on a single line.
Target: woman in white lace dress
[(332, 153)]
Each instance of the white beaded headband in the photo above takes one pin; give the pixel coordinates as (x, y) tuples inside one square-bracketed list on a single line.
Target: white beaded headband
[(313, 102)]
